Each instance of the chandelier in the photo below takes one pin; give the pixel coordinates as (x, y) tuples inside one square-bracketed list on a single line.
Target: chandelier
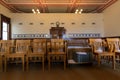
[(35, 11), (78, 11)]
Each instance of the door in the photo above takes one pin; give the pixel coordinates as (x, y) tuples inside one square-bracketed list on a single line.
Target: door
[(5, 28), (5, 31)]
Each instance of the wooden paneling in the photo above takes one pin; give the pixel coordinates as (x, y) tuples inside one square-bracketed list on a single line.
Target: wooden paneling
[(57, 32)]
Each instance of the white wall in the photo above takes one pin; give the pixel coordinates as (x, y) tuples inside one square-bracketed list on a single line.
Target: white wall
[(47, 19), (6, 12), (112, 20), (67, 19)]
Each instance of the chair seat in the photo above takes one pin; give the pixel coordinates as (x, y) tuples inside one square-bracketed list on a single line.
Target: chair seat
[(99, 51), (35, 54), (15, 55), (118, 51), (104, 53), (1, 68)]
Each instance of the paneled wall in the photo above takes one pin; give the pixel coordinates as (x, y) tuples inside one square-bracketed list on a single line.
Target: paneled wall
[(41, 23)]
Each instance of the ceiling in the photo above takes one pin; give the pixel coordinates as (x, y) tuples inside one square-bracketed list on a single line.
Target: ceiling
[(57, 6)]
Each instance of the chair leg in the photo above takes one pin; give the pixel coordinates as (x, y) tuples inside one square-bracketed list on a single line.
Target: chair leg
[(64, 62), (99, 60), (1, 67), (43, 63), (5, 64), (27, 64), (48, 62), (113, 63), (96, 57), (23, 63)]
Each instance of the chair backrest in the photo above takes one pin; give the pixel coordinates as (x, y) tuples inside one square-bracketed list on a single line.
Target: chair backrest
[(22, 46), (58, 45), (5, 46), (97, 45), (91, 41), (39, 45), (114, 44)]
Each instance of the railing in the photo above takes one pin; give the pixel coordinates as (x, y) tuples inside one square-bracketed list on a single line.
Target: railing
[(45, 35), (83, 35), (19, 36)]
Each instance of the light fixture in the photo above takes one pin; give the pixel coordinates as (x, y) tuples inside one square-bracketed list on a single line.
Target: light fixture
[(35, 11), (38, 11), (78, 11)]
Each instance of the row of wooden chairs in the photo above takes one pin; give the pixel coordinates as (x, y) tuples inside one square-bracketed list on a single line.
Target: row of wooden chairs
[(106, 49), (27, 51), (38, 50)]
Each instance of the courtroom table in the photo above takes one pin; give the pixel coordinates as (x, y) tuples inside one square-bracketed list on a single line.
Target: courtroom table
[(72, 50)]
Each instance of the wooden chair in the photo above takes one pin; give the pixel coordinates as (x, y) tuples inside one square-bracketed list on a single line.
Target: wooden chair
[(1, 55), (1, 63), (21, 48), (37, 52), (91, 43), (116, 48), (100, 54), (56, 51), (4, 49)]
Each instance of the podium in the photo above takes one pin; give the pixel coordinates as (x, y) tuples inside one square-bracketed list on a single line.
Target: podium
[(57, 32)]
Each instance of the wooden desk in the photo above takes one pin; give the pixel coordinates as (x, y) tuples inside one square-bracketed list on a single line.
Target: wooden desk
[(73, 49)]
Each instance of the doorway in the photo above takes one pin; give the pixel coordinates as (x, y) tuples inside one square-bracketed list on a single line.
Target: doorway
[(5, 28), (5, 32)]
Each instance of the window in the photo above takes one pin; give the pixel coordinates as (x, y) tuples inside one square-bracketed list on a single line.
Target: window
[(5, 31)]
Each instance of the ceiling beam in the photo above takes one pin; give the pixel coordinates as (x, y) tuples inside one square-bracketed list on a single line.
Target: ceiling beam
[(108, 3), (40, 5), (72, 3), (56, 3), (68, 6), (45, 6), (35, 3), (4, 3)]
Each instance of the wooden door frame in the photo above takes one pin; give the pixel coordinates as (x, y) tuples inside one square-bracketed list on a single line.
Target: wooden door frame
[(8, 21)]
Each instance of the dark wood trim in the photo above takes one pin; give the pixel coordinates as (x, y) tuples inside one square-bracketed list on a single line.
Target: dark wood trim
[(8, 21), (0, 28)]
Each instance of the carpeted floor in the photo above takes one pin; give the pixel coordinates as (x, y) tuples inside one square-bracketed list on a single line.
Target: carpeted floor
[(73, 72)]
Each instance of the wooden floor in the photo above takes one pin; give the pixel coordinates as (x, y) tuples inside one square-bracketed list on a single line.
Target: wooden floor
[(73, 72)]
